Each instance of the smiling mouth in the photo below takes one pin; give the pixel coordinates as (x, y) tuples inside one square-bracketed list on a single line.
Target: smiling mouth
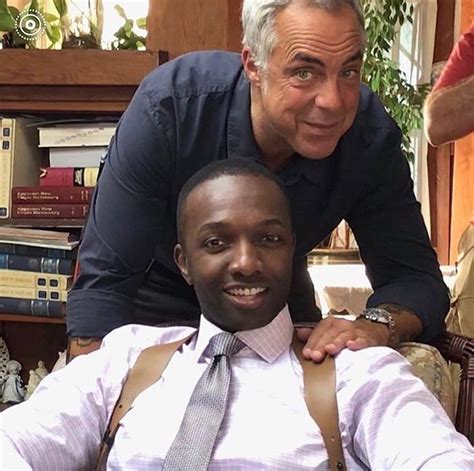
[(245, 291), (321, 126), (247, 297)]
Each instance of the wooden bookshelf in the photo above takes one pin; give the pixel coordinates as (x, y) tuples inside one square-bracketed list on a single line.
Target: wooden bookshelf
[(72, 80), (44, 223), (31, 319), (28, 342)]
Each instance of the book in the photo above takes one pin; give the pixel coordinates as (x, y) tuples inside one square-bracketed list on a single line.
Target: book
[(32, 293), (76, 156), (20, 159), (62, 211), (39, 238), (74, 135), (68, 176), (30, 279), (32, 251), (51, 195), (58, 266), (33, 307)]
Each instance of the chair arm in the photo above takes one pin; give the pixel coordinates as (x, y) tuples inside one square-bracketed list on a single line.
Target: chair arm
[(460, 349)]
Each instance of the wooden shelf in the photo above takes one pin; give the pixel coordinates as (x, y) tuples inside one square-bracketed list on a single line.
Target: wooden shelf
[(72, 80), (43, 223), (31, 319)]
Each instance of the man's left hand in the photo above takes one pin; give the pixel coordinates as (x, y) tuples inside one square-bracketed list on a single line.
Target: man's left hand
[(333, 334)]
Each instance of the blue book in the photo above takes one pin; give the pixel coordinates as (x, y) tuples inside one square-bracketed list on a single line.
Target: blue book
[(32, 307), (29, 250), (58, 266)]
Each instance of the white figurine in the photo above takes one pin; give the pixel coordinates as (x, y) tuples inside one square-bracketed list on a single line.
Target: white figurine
[(33, 382), (61, 361), (13, 389), (41, 371)]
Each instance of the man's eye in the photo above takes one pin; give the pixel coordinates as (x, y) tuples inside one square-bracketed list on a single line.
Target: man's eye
[(213, 243), (303, 74), (271, 238), (350, 74)]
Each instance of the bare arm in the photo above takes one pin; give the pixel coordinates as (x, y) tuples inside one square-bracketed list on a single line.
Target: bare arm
[(80, 346), (449, 112)]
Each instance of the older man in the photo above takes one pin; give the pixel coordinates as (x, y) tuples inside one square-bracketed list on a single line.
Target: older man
[(294, 103), (235, 247)]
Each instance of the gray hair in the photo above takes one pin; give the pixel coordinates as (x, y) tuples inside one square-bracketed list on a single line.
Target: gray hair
[(258, 21)]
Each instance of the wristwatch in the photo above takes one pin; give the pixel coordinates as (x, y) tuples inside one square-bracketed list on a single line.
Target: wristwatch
[(382, 316)]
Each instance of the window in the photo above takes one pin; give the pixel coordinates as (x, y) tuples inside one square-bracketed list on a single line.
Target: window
[(112, 21), (414, 54)]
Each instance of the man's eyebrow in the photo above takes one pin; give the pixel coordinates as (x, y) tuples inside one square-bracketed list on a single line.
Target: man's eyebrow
[(300, 56), (210, 226)]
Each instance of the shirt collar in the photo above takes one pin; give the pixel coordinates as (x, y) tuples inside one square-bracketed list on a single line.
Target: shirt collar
[(241, 141), (269, 341)]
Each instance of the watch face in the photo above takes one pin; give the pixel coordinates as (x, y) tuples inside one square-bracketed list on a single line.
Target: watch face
[(378, 315)]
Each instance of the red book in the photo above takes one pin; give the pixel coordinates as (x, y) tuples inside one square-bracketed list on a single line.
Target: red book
[(60, 211), (51, 194), (68, 176)]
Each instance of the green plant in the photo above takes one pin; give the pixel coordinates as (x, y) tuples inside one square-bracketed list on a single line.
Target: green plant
[(126, 38), (403, 100), (9, 18)]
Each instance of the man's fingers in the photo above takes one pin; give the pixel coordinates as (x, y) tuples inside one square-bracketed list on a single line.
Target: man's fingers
[(329, 332), (332, 334), (359, 343)]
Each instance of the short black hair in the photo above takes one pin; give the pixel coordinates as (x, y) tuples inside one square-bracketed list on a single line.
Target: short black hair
[(219, 168)]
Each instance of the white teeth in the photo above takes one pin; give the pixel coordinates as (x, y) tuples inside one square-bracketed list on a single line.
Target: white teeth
[(246, 291)]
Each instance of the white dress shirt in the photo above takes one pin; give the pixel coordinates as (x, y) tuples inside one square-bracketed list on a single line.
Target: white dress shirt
[(388, 419)]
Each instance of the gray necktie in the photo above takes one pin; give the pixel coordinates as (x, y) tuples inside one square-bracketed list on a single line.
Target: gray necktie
[(194, 443)]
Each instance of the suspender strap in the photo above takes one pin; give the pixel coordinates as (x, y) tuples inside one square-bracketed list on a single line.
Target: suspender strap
[(147, 370), (319, 388), (320, 397)]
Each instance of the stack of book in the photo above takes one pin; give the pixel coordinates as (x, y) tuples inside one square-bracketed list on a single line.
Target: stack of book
[(50, 202), (36, 271), (49, 172), (76, 145)]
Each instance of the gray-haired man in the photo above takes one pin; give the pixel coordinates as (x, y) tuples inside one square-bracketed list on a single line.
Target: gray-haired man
[(293, 102)]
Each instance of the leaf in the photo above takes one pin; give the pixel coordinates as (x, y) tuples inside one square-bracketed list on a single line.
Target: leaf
[(121, 12), (7, 20), (61, 7), (49, 17), (141, 23)]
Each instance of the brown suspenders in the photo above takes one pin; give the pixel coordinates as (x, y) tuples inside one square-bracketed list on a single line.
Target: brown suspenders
[(319, 391)]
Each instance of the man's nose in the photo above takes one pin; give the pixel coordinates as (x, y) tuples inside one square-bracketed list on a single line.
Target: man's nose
[(329, 95), (245, 259)]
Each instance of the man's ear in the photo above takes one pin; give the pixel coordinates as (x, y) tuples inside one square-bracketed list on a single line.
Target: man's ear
[(252, 71), (182, 262)]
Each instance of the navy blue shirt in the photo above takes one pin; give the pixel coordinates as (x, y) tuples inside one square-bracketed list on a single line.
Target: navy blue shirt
[(195, 110)]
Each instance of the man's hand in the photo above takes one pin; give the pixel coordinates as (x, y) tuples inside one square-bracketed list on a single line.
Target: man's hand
[(80, 346), (333, 334)]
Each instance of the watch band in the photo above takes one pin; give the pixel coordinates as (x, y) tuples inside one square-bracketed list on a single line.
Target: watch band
[(375, 314)]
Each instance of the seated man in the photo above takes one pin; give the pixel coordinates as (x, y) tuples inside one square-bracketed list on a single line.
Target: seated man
[(235, 246)]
